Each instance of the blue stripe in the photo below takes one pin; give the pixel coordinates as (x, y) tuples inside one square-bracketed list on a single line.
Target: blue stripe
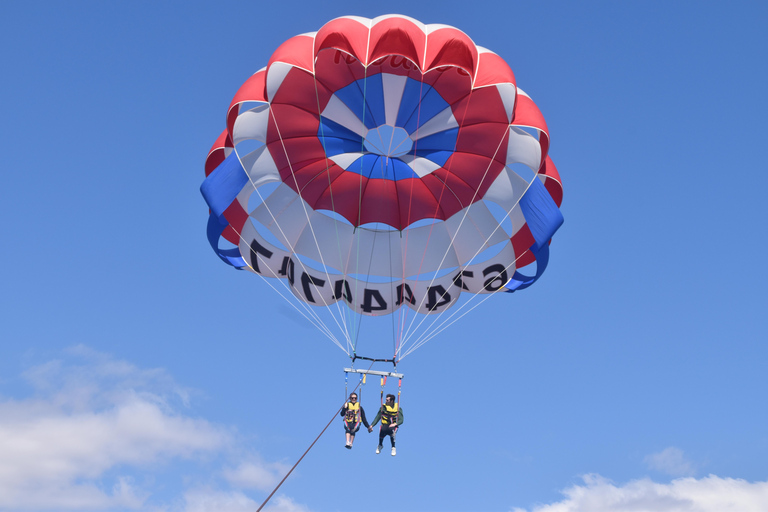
[(336, 139), (228, 256), (374, 166), (430, 105), (543, 218), (365, 98), (219, 189)]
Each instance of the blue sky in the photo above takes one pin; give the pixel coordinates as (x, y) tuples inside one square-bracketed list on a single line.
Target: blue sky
[(138, 372)]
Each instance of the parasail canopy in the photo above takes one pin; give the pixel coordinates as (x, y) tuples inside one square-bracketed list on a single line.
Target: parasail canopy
[(379, 166)]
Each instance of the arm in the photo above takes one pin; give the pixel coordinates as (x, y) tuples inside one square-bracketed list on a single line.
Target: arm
[(362, 416), (376, 419), (400, 416), (344, 410)]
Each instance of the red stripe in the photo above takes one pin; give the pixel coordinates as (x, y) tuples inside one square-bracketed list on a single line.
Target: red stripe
[(451, 47), (254, 89), (347, 35), (297, 51), (493, 70), (397, 36)]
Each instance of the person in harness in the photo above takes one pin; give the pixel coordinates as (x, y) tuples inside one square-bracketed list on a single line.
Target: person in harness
[(391, 416), (353, 413)]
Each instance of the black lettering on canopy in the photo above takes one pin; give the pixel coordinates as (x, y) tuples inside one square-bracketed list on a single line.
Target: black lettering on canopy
[(409, 298), (287, 269), (307, 280), (497, 281), (371, 296), (256, 249), (437, 297), (337, 290), (457, 281)]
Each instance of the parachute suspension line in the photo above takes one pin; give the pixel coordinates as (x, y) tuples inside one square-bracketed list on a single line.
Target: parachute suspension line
[(317, 322), (424, 337), (448, 249), (313, 319), (342, 311), (465, 215), (432, 333), (357, 319), (403, 315), (338, 411), (367, 274), (308, 314), (361, 192), (306, 214), (469, 300), (442, 191), (395, 333)]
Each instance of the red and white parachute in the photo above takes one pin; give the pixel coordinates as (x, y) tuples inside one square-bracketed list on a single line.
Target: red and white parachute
[(381, 163)]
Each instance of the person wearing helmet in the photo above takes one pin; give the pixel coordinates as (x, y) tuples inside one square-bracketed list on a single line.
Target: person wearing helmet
[(353, 413), (391, 415)]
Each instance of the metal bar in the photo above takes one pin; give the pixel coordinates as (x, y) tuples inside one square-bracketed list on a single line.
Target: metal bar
[(354, 357), (374, 372)]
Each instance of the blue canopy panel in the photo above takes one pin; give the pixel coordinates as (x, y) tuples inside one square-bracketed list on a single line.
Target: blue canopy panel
[(375, 166), (420, 103), (543, 218), (219, 189), (437, 147), (365, 98), (337, 139)]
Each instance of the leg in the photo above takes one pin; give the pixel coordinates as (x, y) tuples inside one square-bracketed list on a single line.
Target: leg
[(351, 435), (392, 433)]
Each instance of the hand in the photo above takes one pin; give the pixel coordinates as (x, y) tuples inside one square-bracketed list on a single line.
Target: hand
[(370, 429), (393, 425)]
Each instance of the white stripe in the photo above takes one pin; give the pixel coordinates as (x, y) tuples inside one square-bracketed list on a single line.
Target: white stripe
[(441, 122), (251, 124), (394, 86), (275, 76), (338, 112), (523, 148), (344, 160), (508, 94), (421, 166)]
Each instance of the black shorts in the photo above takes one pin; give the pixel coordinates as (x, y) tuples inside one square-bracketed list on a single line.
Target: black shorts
[(351, 427), (385, 431)]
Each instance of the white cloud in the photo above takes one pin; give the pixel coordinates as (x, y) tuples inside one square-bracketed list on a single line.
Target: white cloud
[(709, 494), (670, 461), (256, 475), (97, 430), (216, 501)]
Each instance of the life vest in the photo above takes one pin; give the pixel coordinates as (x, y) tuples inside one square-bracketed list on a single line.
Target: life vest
[(353, 412), (389, 414)]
